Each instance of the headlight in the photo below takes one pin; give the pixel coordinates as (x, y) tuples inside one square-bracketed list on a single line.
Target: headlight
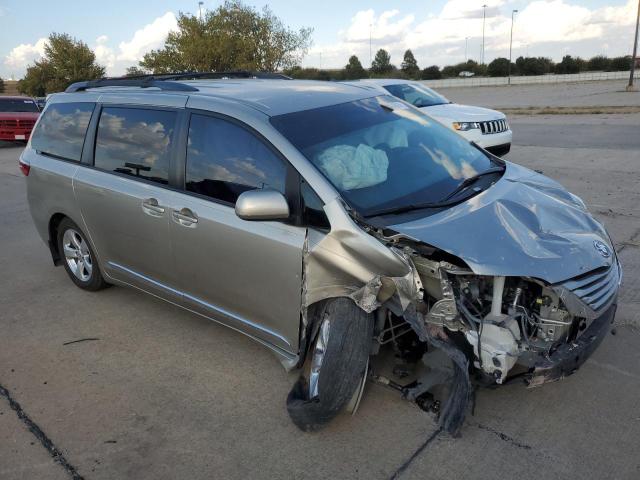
[(465, 126)]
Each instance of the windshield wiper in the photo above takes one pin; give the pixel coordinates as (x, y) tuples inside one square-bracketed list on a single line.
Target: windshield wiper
[(467, 182), (413, 206), (446, 202)]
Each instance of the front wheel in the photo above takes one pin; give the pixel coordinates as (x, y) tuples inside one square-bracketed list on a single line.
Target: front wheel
[(337, 365), (79, 259)]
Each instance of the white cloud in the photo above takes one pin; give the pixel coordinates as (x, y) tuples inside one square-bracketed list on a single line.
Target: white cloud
[(544, 27), (116, 60), (24, 54), (129, 53), (104, 55), (147, 38)]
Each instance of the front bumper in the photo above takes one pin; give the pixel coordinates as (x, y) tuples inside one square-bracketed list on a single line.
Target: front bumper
[(500, 150), (489, 139), (570, 356)]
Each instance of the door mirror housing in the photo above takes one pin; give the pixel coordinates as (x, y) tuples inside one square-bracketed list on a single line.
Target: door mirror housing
[(262, 205)]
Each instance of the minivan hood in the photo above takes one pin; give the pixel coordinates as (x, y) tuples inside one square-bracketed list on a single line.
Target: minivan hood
[(462, 113), (524, 225)]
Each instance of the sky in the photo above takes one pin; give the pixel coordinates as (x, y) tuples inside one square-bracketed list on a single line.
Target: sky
[(439, 32)]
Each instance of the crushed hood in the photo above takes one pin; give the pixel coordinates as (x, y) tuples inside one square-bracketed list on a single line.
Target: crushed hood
[(524, 225)]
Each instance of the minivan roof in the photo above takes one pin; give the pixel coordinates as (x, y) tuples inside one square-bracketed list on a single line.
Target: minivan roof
[(272, 97)]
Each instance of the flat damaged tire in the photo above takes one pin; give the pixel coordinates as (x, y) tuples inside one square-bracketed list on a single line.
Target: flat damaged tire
[(337, 364)]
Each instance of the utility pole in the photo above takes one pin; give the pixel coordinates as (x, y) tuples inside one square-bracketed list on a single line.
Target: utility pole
[(320, 61), (510, 47), (466, 44), (630, 87), (484, 18), (200, 9), (370, 57)]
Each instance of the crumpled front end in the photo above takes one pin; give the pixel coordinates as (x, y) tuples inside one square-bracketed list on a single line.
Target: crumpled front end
[(528, 296)]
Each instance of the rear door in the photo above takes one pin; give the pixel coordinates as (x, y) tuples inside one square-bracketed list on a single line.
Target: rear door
[(124, 197), (247, 274)]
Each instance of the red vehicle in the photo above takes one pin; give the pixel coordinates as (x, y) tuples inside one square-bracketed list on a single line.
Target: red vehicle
[(18, 115)]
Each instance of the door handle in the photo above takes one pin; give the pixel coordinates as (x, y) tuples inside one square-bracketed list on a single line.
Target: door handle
[(150, 207), (185, 217)]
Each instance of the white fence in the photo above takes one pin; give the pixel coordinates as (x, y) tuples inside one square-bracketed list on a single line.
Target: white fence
[(526, 80)]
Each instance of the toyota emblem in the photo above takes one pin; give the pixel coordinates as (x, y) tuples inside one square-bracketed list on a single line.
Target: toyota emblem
[(602, 248)]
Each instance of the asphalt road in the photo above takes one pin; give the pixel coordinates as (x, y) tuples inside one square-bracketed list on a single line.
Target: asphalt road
[(160, 393)]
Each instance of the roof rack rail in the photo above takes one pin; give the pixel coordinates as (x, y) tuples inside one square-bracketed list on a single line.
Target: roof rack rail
[(163, 81), (143, 82)]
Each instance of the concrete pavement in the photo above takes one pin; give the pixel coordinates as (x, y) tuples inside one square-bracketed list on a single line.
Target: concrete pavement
[(594, 94)]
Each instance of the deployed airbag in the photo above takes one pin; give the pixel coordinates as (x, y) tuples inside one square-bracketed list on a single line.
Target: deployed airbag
[(350, 167)]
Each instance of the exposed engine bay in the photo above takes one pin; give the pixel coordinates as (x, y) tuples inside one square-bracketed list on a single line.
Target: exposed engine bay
[(501, 325)]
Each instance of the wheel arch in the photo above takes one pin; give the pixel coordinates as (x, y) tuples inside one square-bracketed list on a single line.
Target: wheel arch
[(52, 241)]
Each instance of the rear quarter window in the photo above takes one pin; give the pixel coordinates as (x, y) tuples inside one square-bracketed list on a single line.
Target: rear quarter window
[(61, 130)]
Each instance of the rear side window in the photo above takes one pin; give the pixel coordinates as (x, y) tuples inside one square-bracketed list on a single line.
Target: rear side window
[(61, 130), (135, 142), (224, 160)]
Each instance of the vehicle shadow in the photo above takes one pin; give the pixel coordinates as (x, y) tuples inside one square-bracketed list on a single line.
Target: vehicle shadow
[(8, 144)]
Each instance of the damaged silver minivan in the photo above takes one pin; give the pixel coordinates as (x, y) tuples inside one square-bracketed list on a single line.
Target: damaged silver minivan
[(349, 233)]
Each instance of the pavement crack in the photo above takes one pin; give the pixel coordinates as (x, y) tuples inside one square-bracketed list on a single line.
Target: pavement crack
[(42, 437), (401, 469), (504, 437), (90, 339), (631, 242)]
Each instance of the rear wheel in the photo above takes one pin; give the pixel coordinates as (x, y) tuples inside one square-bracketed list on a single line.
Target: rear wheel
[(337, 365), (79, 259)]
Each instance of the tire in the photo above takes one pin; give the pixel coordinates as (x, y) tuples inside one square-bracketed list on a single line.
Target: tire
[(78, 257), (338, 360)]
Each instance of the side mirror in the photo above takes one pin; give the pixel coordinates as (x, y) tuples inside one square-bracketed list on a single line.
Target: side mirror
[(262, 205)]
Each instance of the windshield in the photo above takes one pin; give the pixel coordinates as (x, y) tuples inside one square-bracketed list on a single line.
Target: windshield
[(416, 95), (381, 154), (18, 105)]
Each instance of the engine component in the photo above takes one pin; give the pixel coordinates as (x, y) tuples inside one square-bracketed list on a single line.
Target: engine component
[(498, 346)]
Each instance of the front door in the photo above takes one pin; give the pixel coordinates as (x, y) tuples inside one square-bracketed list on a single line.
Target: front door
[(247, 274)]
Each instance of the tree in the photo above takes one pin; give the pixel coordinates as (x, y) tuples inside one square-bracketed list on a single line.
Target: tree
[(500, 67), (431, 73), (468, 66), (135, 72), (534, 65), (233, 36), (409, 65), (354, 70), (300, 73), (382, 62), (569, 65), (1, 85), (66, 60), (620, 64), (598, 63)]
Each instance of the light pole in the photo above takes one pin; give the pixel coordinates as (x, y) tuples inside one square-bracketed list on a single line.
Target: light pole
[(200, 8), (510, 47), (370, 57), (630, 87), (466, 44), (484, 18)]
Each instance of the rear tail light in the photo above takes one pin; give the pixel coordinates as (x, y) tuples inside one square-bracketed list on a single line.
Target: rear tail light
[(24, 168)]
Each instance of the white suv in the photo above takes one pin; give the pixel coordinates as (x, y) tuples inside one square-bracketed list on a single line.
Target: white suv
[(487, 128)]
